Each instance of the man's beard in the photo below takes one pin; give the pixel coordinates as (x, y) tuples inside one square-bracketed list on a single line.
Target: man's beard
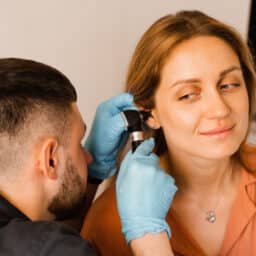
[(70, 200)]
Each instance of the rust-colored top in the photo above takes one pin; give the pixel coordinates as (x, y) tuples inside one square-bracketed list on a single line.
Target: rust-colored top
[(102, 225)]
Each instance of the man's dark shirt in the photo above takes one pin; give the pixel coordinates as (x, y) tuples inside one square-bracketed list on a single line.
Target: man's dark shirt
[(20, 236)]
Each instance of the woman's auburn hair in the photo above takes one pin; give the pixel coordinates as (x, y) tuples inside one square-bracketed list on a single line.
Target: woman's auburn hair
[(156, 44)]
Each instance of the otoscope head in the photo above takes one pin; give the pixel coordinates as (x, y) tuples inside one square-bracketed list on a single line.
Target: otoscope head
[(133, 120)]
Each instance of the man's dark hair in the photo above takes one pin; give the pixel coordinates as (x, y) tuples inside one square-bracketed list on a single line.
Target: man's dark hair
[(26, 86)]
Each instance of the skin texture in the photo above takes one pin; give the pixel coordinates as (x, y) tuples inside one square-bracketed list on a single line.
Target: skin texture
[(186, 110), (71, 194)]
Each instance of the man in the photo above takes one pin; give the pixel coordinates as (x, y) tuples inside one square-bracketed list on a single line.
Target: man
[(43, 166)]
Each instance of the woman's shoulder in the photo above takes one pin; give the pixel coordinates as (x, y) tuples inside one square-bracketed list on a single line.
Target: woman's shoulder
[(247, 157), (102, 213), (102, 226)]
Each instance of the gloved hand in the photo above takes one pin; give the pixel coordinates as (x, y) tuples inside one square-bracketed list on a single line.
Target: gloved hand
[(107, 135), (144, 193)]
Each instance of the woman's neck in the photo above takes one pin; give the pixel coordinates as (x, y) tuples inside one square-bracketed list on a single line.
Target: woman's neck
[(200, 176)]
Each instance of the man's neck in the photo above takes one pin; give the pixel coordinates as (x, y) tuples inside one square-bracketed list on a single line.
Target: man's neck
[(25, 200)]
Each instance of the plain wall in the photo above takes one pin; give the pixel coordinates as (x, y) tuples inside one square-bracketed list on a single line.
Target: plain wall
[(91, 41)]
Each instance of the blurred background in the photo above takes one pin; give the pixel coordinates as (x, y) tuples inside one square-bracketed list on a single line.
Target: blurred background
[(91, 41)]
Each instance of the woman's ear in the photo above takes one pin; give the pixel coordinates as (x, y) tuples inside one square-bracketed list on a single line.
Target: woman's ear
[(48, 158), (153, 121)]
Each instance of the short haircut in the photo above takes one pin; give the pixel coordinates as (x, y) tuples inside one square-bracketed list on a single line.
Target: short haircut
[(26, 84), (31, 91)]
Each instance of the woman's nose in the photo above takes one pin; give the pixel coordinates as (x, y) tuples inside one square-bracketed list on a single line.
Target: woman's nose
[(217, 107)]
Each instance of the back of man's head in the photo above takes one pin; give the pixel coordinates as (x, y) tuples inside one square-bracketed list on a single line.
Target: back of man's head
[(35, 100)]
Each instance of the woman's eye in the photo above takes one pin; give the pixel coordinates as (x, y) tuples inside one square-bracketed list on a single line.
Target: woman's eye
[(188, 96), (185, 97), (226, 87)]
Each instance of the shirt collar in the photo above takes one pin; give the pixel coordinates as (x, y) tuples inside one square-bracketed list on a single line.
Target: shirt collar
[(8, 211), (243, 209)]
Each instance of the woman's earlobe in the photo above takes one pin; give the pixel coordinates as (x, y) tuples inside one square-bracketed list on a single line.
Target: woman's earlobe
[(152, 121)]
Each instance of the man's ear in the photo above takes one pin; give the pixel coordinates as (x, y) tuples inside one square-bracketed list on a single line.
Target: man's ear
[(153, 121), (48, 157)]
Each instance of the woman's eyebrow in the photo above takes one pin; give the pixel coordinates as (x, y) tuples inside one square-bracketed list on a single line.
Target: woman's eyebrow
[(197, 80), (228, 70), (186, 81)]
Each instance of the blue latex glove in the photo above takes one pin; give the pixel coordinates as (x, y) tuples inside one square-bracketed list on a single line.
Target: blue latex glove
[(144, 193), (107, 135)]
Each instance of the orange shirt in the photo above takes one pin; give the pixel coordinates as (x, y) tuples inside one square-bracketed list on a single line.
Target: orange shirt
[(102, 226), (240, 234)]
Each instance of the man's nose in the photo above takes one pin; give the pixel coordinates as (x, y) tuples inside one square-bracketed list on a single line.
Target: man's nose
[(88, 157)]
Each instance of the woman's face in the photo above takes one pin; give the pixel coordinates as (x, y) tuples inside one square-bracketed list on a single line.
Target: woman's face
[(202, 102)]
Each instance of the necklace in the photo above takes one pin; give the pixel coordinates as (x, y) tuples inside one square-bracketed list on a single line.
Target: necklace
[(210, 213), (211, 216)]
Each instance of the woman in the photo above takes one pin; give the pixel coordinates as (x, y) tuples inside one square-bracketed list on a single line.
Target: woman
[(195, 75)]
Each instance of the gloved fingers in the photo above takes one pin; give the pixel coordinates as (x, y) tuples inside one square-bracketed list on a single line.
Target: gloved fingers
[(145, 148), (139, 168), (123, 168), (122, 141), (147, 165), (131, 107), (118, 124), (171, 189), (142, 157), (119, 103), (167, 181)]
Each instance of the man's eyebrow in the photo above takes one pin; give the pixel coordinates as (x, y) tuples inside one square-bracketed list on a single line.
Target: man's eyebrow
[(197, 80)]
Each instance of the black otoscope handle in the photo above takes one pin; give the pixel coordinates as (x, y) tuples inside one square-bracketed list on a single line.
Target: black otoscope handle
[(133, 122), (135, 144)]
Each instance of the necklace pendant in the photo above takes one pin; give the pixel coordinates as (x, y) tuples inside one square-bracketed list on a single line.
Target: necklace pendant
[(210, 216)]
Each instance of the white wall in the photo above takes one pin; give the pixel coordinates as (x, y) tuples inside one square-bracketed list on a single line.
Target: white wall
[(91, 41)]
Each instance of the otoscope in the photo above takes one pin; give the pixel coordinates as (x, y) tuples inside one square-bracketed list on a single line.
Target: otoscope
[(133, 120)]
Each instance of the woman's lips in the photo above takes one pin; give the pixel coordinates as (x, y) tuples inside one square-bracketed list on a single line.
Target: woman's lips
[(220, 131)]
